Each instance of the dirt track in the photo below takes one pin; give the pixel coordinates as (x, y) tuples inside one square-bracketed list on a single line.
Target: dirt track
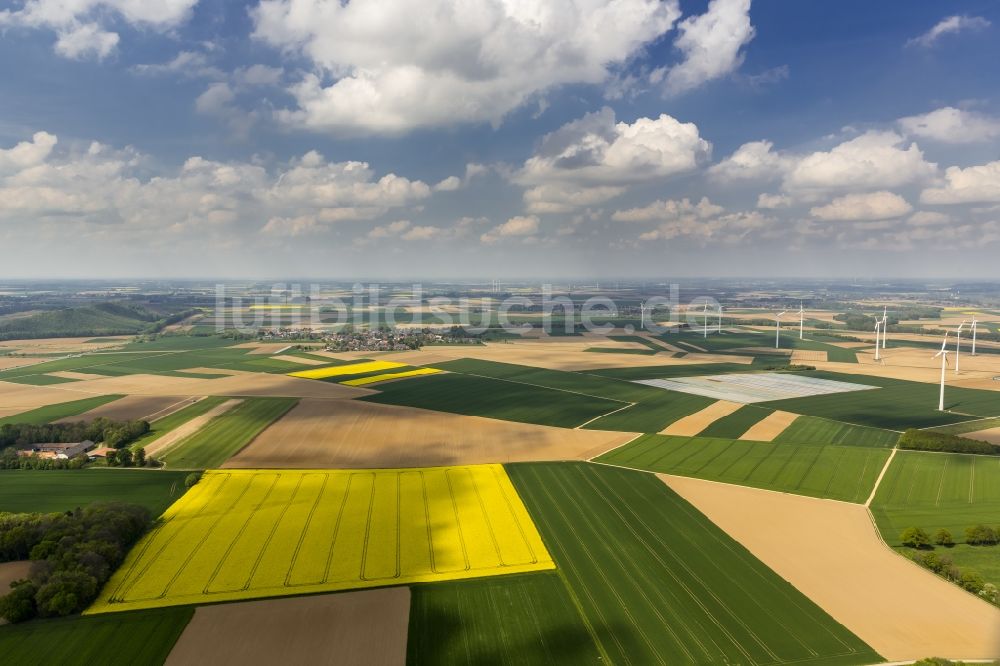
[(366, 628), (354, 434), (831, 552)]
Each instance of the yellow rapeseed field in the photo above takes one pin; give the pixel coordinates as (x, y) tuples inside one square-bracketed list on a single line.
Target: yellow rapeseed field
[(373, 379), (243, 534), (349, 369)]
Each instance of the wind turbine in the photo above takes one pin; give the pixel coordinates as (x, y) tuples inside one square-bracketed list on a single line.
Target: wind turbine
[(720, 317), (944, 364), (801, 320), (885, 325), (974, 323), (777, 329), (878, 326), (704, 316), (642, 316), (958, 343)]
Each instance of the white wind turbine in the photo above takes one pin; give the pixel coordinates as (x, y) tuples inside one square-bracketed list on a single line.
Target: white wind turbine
[(885, 326), (944, 364), (720, 317), (974, 323), (704, 316), (642, 316), (878, 327), (777, 329), (801, 320), (958, 342)]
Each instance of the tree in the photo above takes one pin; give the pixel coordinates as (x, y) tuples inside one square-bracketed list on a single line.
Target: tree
[(19, 604), (140, 457), (112, 458), (990, 593), (971, 581), (943, 538), (125, 457), (980, 535), (915, 537), (191, 480)]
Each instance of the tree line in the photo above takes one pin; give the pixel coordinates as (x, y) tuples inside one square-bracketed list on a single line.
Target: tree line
[(73, 555), (114, 434), (927, 440)]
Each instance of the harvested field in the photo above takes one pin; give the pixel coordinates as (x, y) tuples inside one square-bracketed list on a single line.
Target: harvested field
[(348, 629), (160, 445), (23, 397), (360, 434), (129, 408), (807, 356), (770, 427), (692, 424), (250, 534), (864, 585), (14, 362), (250, 384), (991, 435), (12, 571), (71, 374), (301, 360), (263, 347), (60, 345)]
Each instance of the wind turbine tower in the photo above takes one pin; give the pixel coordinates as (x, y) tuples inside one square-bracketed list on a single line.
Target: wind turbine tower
[(777, 329), (878, 327), (801, 320), (974, 324), (958, 343), (944, 365)]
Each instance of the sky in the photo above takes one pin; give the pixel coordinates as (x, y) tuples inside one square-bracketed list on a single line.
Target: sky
[(392, 139)]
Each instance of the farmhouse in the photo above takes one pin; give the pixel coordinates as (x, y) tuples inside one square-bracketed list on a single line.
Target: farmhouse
[(57, 450)]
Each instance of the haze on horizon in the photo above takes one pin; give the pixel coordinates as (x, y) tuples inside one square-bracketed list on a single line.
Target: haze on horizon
[(563, 138)]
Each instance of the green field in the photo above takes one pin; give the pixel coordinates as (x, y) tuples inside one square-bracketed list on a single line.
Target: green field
[(733, 342), (122, 639), (968, 426), (657, 582), (897, 405), (654, 408), (60, 410), (226, 434), (737, 423), (816, 430), (526, 619), (40, 380), (47, 491), (949, 490), (496, 398), (845, 473), (160, 427)]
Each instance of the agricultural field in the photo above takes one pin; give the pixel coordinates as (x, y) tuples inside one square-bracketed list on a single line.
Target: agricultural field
[(161, 426), (497, 398), (895, 405), (942, 490), (122, 639), (734, 425), (250, 534), (361, 434), (846, 473), (46, 491), (362, 627), (457, 623), (816, 430), (227, 433), (755, 387), (60, 410), (656, 582)]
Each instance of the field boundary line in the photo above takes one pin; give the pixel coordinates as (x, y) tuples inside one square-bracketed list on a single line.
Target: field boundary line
[(613, 448), (551, 388), (171, 407), (878, 481), (724, 483), (614, 411)]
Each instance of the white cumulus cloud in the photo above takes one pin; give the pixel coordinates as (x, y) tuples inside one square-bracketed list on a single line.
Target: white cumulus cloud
[(712, 45), (866, 206), (951, 125), (389, 66), (520, 226), (974, 184), (949, 26)]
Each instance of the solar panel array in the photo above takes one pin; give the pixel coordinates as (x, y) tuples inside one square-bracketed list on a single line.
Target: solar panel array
[(755, 387)]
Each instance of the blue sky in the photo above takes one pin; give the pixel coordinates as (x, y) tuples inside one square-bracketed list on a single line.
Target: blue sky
[(384, 138)]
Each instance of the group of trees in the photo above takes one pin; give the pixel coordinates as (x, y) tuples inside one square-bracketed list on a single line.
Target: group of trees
[(73, 555), (977, 535), (927, 440), (9, 459), (115, 434), (968, 580)]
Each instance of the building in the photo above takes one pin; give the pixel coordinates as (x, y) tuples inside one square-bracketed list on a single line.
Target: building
[(58, 450)]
